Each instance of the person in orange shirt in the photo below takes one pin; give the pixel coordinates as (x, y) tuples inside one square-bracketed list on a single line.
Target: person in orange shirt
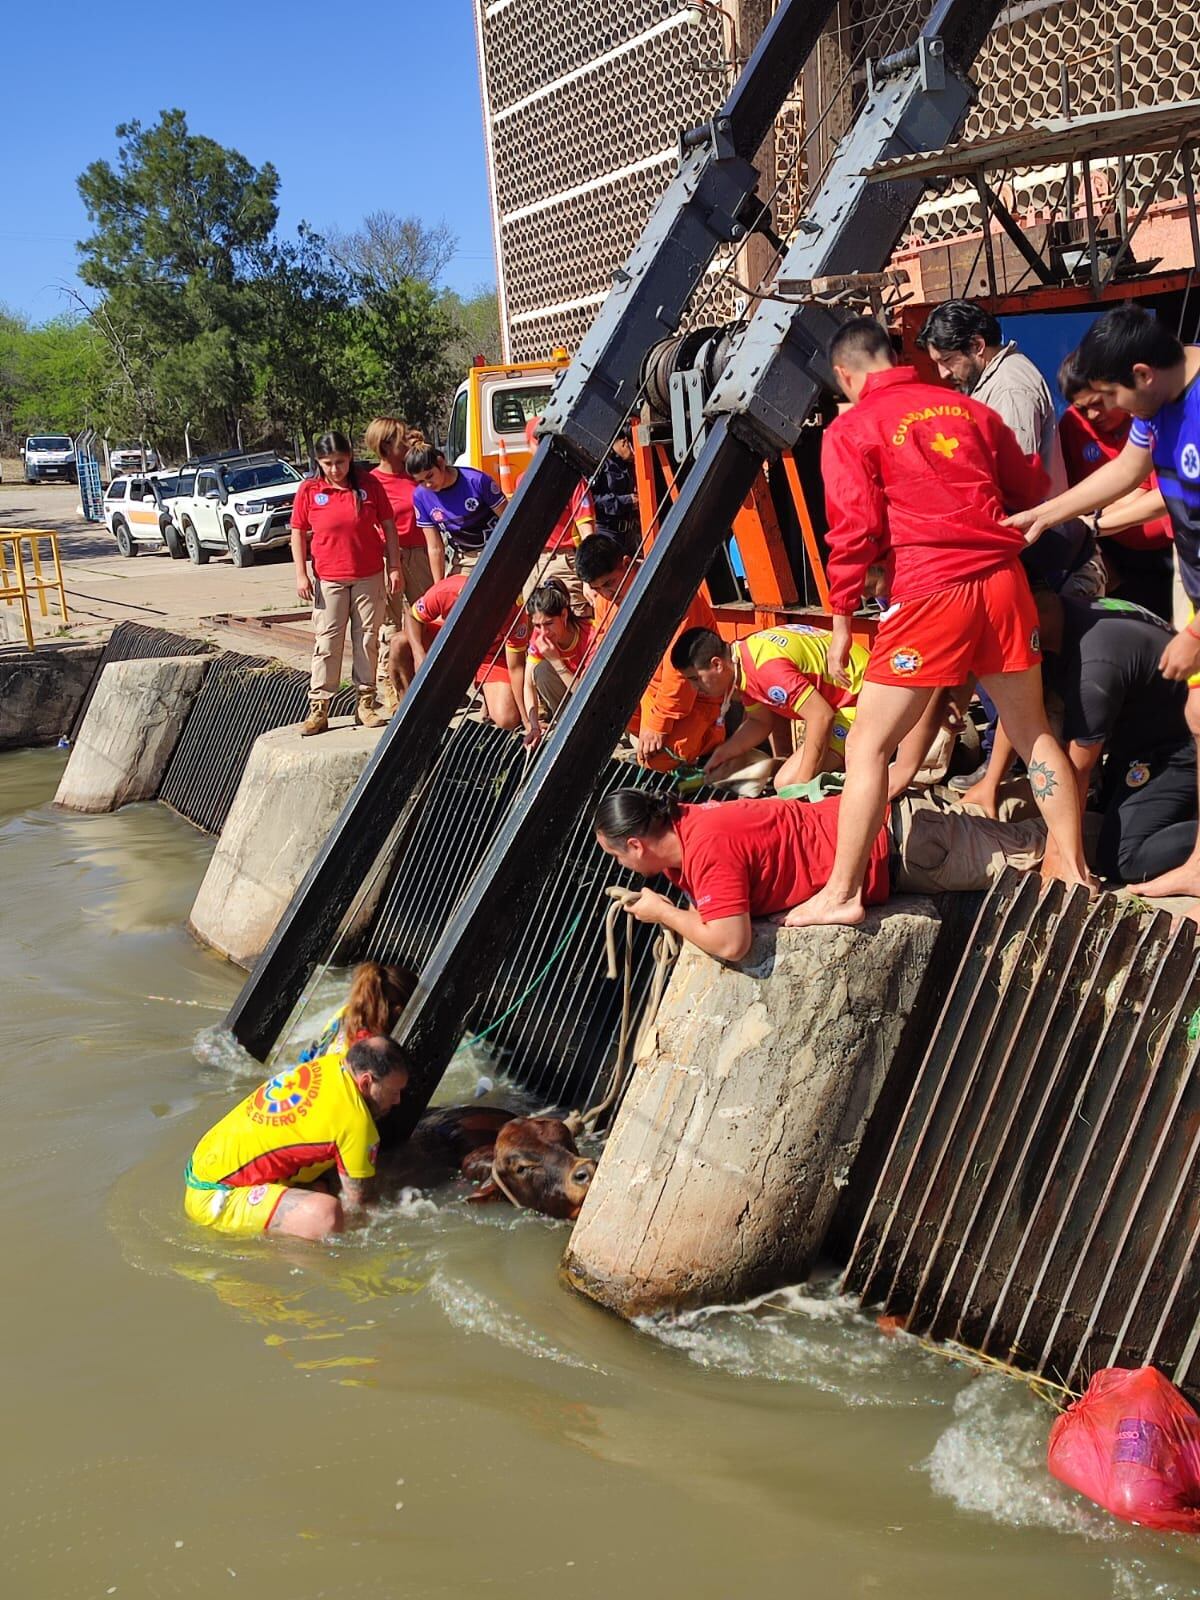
[(673, 726)]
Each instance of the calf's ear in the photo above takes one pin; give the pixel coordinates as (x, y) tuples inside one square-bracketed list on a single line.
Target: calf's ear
[(478, 1163), (489, 1192)]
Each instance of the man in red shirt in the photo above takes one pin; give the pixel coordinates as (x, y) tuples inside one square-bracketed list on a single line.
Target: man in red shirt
[(1136, 529), (501, 674), (740, 859), (924, 477)]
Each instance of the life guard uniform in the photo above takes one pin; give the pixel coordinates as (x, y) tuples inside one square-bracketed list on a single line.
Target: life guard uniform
[(291, 1129), (782, 668), (434, 608), (924, 477)]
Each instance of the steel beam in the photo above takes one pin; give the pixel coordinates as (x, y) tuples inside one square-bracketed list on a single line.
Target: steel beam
[(711, 201)]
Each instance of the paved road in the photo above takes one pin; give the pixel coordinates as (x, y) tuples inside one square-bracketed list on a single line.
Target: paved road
[(104, 587)]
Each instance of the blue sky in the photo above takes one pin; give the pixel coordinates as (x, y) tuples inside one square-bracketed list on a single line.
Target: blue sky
[(357, 116)]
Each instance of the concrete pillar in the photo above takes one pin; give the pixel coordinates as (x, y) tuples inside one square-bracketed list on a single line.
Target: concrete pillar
[(745, 1112), (42, 690), (290, 796), (129, 734)]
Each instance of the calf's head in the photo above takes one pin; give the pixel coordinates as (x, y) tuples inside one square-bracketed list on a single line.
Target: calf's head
[(535, 1163)]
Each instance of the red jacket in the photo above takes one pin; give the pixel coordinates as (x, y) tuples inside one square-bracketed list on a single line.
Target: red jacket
[(923, 477)]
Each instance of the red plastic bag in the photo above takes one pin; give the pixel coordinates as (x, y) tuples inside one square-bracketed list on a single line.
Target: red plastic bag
[(1132, 1444)]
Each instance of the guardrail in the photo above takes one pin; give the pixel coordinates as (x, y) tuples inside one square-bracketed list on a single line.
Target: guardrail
[(19, 586)]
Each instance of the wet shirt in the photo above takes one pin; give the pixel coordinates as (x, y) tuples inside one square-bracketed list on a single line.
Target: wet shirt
[(436, 604), (342, 524), (923, 477), (782, 667), (464, 513), (400, 489), (759, 857), (1173, 439), (1085, 449), (1108, 678), (301, 1123)]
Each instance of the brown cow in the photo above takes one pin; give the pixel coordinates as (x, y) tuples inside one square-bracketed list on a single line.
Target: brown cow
[(531, 1161)]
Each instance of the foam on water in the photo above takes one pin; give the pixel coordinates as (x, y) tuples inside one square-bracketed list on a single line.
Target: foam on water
[(471, 1311)]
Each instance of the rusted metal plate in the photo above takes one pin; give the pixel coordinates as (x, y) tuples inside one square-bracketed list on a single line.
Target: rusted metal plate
[(1040, 1200)]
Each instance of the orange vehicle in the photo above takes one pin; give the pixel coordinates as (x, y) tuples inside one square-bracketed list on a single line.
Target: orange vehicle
[(495, 403)]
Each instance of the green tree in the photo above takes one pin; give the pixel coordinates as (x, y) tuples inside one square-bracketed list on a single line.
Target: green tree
[(477, 324), (401, 342), (176, 223), (64, 377)]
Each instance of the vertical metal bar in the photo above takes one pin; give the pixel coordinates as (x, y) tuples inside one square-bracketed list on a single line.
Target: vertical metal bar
[(1093, 242), (1122, 163), (981, 189), (1189, 188)]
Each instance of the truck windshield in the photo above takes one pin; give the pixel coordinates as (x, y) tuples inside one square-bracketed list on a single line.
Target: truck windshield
[(264, 477), (50, 441)]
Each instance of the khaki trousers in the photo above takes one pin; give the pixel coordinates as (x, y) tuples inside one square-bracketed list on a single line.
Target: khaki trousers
[(361, 605), (942, 848), (414, 565)]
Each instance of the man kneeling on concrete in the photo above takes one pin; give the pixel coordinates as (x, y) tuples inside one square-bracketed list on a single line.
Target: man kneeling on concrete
[(249, 1173), (741, 859)]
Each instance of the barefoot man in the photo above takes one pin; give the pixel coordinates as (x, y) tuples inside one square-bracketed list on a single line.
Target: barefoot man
[(925, 476)]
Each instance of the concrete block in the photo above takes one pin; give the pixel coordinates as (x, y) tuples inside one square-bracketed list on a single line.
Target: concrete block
[(746, 1109), (42, 690), (129, 734), (291, 793)]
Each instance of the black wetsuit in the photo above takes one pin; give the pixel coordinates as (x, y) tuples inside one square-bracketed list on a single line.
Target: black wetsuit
[(1113, 693)]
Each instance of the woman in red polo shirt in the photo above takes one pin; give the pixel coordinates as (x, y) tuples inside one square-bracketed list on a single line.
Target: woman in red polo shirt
[(391, 439), (560, 642), (336, 520)]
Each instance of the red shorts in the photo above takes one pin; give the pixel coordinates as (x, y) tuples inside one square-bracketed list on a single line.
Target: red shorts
[(492, 671), (984, 626)]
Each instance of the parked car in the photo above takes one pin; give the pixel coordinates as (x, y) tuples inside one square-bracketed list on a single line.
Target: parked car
[(132, 458), (49, 455), (241, 503), (137, 512)]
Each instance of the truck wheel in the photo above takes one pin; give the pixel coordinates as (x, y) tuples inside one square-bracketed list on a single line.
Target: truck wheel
[(197, 554), (174, 544), (123, 537), (241, 554)]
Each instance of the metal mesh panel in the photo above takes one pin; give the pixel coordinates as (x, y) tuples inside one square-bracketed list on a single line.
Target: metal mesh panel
[(1040, 1199), (561, 1013), (242, 697), (133, 641)]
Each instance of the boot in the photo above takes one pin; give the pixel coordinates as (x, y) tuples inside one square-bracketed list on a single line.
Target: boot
[(365, 714), (317, 720)]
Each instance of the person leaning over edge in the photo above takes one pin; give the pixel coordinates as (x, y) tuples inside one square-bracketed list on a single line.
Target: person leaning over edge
[(336, 521), (1132, 360), (247, 1173), (740, 859), (673, 725), (926, 477)]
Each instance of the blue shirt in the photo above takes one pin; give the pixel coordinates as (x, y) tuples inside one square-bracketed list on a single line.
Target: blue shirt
[(1173, 438), (465, 513)]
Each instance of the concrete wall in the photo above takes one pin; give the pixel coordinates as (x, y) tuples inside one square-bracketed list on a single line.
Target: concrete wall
[(42, 690)]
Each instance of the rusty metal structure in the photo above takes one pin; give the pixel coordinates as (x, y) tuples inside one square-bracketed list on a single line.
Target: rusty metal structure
[(1039, 1199)]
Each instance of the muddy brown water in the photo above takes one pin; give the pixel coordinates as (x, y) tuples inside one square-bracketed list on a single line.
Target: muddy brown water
[(424, 1410)]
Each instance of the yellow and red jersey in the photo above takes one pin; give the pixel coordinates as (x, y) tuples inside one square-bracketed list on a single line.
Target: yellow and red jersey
[(299, 1124), (781, 667)]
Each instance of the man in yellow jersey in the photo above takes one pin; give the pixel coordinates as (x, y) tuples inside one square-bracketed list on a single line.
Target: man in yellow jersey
[(779, 675), (246, 1174)]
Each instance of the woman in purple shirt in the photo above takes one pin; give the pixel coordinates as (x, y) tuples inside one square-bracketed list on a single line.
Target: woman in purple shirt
[(455, 507)]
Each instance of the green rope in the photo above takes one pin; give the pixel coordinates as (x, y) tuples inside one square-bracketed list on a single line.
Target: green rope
[(521, 999)]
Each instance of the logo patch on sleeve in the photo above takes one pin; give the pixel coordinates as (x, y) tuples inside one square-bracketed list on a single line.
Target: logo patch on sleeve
[(1189, 462), (777, 695)]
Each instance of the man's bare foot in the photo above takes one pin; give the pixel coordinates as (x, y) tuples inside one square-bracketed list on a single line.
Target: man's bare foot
[(823, 911), (1184, 879)]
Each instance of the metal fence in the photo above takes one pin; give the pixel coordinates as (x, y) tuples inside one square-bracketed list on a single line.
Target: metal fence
[(242, 697), (551, 1016), (1040, 1200)]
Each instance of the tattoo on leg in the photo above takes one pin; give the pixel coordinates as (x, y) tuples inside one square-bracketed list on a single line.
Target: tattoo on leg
[(1043, 780)]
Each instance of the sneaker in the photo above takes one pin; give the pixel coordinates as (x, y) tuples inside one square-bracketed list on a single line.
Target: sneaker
[(365, 714), (317, 720), (968, 780)]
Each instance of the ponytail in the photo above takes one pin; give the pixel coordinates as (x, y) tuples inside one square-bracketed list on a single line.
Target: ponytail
[(636, 814), (551, 599), (378, 995)]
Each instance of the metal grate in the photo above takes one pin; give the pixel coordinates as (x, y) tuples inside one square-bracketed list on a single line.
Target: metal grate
[(133, 641), (242, 697), (558, 1034), (1040, 1200)]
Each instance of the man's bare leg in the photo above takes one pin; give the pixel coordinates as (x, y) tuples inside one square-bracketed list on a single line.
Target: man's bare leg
[(400, 664), (886, 712), (307, 1214), (1185, 878), (1018, 699)]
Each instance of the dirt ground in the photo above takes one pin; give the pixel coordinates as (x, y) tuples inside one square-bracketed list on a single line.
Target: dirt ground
[(104, 588)]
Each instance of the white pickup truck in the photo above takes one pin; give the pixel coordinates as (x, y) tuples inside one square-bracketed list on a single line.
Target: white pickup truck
[(240, 503)]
